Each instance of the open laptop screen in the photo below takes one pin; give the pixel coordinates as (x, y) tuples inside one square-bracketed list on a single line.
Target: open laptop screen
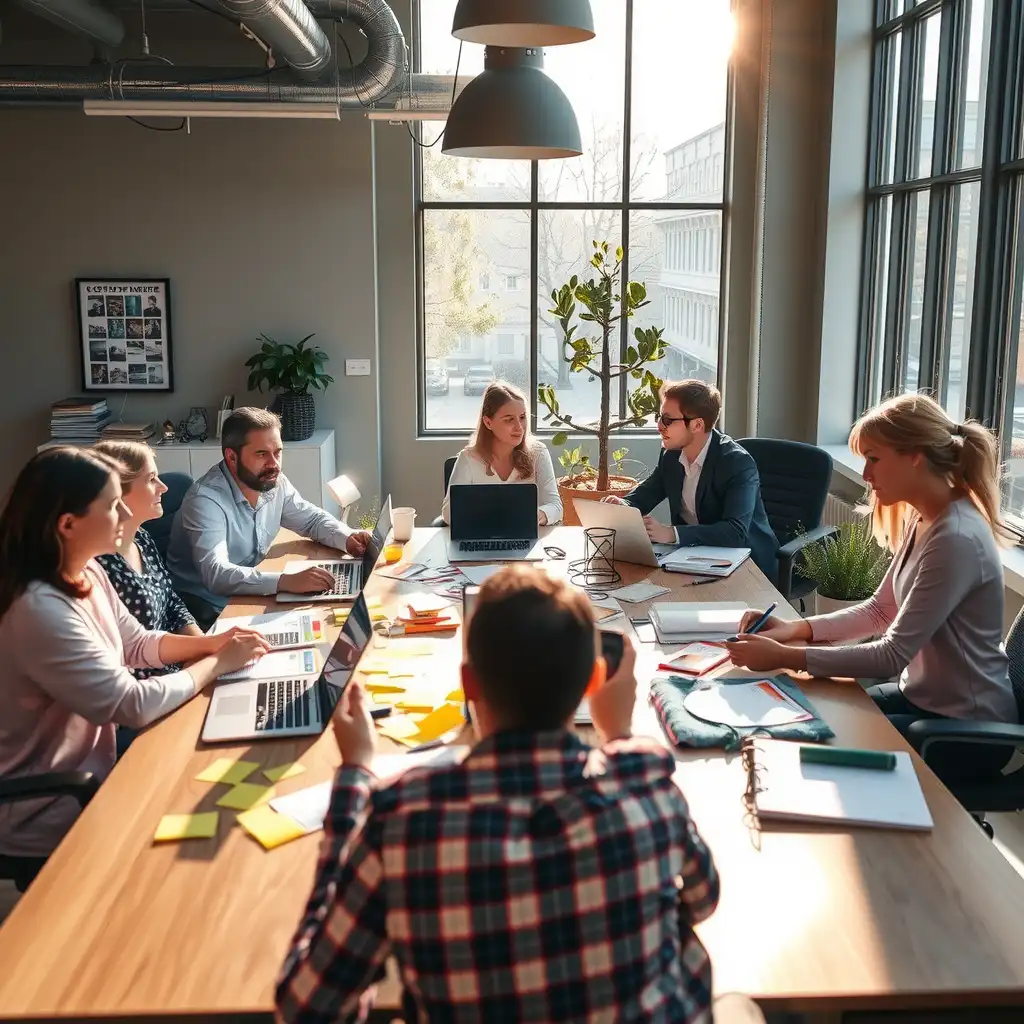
[(493, 511), (377, 538), (341, 662)]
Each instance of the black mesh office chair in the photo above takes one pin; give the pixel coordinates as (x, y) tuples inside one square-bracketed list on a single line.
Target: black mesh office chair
[(795, 478), (1006, 793), (177, 485), (449, 465), (80, 785)]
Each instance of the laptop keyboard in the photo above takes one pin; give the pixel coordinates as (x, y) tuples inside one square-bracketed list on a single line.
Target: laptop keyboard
[(342, 573), (283, 704), (495, 545)]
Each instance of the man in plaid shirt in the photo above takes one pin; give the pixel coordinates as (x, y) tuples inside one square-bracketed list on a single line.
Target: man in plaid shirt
[(539, 880)]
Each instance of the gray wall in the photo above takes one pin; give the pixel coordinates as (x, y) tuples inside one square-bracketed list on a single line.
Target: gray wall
[(260, 226)]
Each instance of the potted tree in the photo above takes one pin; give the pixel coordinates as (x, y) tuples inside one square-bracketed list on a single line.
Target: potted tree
[(291, 370), (846, 568), (604, 306)]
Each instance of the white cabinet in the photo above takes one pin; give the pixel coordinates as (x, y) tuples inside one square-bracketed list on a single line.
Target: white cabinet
[(308, 464)]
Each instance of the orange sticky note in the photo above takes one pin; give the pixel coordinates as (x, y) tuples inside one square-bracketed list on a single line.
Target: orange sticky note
[(437, 723)]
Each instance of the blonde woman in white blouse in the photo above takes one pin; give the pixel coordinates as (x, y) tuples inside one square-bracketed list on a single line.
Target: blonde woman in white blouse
[(502, 451)]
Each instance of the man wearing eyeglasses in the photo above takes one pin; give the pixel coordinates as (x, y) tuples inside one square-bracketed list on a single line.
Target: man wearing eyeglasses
[(711, 483)]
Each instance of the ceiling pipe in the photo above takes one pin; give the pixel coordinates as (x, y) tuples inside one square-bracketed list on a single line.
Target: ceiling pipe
[(84, 18)]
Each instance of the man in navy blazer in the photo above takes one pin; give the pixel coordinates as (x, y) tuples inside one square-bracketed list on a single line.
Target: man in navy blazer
[(712, 485)]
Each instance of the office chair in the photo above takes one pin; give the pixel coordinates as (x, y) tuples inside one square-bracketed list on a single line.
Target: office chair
[(795, 478), (449, 465), (80, 785), (177, 485), (1006, 793)]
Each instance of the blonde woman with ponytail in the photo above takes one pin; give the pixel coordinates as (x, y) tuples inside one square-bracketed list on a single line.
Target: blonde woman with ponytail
[(938, 614), (503, 451)]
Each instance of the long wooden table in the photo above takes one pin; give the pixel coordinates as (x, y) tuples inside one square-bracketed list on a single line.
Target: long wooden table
[(810, 919)]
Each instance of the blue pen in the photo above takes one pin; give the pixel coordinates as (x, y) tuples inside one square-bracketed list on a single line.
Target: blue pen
[(756, 627)]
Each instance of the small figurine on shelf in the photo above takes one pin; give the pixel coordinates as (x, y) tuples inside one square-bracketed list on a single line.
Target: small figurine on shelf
[(169, 434), (194, 427)]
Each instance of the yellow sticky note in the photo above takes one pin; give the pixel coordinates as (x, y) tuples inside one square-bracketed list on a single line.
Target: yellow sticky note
[(225, 770), (284, 771), (401, 730), (384, 688), (269, 828), (437, 723), (187, 826), (245, 795), (457, 695), (413, 706)]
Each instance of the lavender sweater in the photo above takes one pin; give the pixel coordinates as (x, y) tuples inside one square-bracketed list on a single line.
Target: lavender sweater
[(939, 616), (63, 686)]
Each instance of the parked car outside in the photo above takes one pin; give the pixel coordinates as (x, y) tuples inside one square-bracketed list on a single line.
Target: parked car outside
[(477, 378), (437, 381)]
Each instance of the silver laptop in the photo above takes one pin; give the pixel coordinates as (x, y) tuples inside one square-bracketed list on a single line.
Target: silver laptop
[(350, 575), (269, 709), (631, 541), (493, 523)]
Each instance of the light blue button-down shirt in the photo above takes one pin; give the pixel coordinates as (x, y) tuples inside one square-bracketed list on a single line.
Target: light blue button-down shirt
[(218, 538)]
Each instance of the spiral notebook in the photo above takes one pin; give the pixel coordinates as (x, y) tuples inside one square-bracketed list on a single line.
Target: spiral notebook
[(780, 787)]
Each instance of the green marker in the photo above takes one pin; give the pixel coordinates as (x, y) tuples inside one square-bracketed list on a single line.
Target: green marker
[(845, 757)]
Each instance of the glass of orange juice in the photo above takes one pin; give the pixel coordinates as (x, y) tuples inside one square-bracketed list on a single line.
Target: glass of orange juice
[(392, 553)]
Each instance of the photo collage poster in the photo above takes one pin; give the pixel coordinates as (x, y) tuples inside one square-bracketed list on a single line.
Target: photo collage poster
[(125, 334)]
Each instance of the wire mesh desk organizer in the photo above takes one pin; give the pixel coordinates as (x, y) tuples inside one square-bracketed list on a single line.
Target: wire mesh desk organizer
[(596, 569)]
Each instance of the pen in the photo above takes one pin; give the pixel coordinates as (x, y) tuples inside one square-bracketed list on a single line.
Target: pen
[(426, 746), (756, 627), (376, 713), (700, 583)]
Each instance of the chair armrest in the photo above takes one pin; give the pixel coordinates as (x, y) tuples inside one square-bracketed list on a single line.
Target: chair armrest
[(81, 785), (925, 732), (787, 554)]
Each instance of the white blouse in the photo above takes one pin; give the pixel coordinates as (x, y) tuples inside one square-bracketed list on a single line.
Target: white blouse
[(470, 469)]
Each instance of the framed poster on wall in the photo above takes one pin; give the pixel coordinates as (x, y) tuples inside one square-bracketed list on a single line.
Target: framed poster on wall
[(124, 327)]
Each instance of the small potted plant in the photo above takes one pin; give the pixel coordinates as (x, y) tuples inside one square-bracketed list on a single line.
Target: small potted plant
[(291, 370), (604, 306), (846, 568)]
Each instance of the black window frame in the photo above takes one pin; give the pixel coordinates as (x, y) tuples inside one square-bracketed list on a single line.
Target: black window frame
[(998, 283), (624, 206)]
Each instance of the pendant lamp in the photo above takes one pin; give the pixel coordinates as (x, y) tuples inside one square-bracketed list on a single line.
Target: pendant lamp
[(512, 111), (524, 23)]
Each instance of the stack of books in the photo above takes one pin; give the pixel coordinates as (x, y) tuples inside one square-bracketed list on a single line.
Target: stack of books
[(78, 420), (128, 431)]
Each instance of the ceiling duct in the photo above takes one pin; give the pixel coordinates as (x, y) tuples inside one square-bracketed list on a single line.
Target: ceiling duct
[(82, 17), (289, 28), (382, 75)]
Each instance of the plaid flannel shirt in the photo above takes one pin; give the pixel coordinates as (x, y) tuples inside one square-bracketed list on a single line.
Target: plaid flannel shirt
[(539, 880)]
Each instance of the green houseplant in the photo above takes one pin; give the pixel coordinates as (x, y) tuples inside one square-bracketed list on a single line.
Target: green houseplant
[(291, 370), (604, 305), (846, 567)]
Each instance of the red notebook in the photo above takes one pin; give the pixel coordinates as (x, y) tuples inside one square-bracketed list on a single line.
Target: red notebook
[(695, 659)]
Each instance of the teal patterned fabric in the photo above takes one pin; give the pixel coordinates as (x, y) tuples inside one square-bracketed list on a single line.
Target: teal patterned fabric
[(684, 730)]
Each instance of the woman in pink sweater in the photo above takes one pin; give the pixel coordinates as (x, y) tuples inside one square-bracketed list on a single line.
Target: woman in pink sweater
[(67, 642)]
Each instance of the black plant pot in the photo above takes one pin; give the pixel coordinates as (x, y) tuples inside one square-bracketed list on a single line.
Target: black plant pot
[(298, 415)]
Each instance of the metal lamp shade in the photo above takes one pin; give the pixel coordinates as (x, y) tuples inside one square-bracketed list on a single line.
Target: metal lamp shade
[(523, 22), (512, 111)]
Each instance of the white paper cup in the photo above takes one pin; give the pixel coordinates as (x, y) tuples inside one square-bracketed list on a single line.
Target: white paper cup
[(402, 521)]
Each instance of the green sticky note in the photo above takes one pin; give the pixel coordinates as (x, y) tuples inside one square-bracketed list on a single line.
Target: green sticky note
[(186, 826), (284, 771), (228, 771), (245, 795)]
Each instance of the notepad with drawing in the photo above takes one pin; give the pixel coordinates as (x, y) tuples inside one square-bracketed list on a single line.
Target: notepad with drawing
[(791, 790)]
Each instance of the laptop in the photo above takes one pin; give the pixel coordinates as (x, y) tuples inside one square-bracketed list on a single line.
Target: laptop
[(631, 541), (493, 523), (350, 575), (270, 709)]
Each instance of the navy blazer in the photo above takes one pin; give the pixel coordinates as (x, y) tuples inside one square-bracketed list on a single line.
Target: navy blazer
[(730, 513)]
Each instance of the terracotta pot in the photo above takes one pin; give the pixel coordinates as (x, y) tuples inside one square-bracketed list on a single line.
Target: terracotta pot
[(577, 487)]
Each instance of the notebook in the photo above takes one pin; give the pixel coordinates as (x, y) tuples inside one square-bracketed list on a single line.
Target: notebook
[(681, 621), (789, 790), (702, 560)]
